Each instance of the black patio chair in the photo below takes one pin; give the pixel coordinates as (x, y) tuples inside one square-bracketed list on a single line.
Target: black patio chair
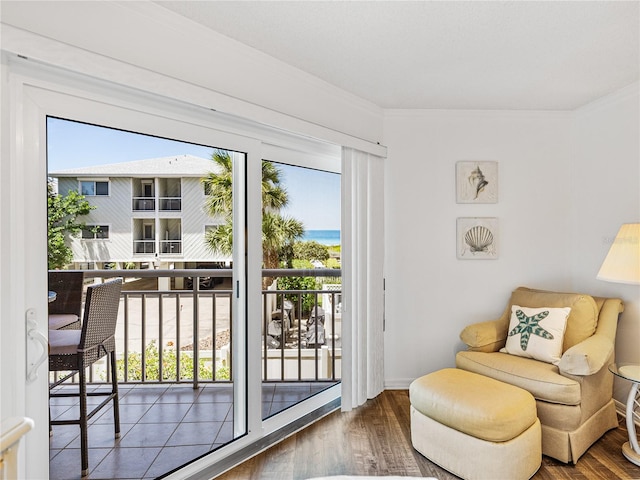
[(64, 311), (76, 350)]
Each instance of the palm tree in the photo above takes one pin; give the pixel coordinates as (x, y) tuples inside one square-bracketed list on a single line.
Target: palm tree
[(278, 232)]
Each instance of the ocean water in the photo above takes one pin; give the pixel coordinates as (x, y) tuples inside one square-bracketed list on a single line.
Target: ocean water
[(324, 237)]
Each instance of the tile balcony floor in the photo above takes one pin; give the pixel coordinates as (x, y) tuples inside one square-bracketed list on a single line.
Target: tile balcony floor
[(162, 427)]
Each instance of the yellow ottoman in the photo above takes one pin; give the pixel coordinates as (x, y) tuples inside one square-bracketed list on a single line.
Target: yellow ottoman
[(474, 426)]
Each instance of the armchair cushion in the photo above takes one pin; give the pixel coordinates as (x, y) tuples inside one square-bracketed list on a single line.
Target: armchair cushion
[(582, 320), (541, 379), (491, 336)]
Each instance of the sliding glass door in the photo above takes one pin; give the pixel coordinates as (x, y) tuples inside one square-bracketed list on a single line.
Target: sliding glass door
[(175, 207)]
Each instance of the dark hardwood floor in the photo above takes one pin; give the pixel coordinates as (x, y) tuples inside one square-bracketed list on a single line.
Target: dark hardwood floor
[(375, 440)]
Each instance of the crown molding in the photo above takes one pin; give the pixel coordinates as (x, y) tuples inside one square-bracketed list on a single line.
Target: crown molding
[(624, 94)]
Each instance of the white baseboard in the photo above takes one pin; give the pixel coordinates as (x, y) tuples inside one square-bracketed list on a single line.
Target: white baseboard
[(398, 383)]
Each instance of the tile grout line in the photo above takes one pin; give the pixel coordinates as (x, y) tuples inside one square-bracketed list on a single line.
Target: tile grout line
[(213, 400)]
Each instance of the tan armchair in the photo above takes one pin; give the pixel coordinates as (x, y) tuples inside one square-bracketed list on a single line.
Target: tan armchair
[(573, 399)]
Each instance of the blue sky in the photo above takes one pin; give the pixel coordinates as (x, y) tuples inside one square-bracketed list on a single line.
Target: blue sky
[(314, 196)]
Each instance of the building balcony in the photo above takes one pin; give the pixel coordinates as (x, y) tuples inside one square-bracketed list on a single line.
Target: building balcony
[(143, 204), (144, 246), (148, 204), (171, 247), (170, 204)]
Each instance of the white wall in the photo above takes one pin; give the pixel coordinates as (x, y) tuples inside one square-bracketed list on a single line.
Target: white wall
[(566, 183), (430, 294), (605, 181)]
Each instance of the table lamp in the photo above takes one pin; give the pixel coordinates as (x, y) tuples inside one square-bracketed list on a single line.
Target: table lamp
[(622, 263)]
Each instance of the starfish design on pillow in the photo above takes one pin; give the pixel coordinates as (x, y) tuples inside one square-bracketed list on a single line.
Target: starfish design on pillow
[(528, 326)]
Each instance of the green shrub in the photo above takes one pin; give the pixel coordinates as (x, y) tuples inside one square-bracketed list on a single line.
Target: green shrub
[(301, 264), (300, 283), (310, 251), (332, 263), (223, 373), (169, 362)]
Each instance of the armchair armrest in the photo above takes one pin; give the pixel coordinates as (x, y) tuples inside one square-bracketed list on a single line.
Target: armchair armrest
[(590, 355), (587, 357), (487, 336)]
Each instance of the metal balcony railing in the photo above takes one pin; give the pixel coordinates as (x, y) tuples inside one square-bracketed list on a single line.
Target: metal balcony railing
[(171, 246), (303, 339), (144, 246), (177, 335), (170, 204), (143, 204)]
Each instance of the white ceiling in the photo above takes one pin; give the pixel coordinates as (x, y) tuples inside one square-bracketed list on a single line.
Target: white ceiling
[(546, 55)]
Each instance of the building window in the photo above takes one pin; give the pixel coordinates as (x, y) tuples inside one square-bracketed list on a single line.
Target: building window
[(95, 232), (91, 188), (147, 188), (147, 231)]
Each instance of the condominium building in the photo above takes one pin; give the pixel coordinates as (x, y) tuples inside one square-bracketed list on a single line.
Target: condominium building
[(149, 213)]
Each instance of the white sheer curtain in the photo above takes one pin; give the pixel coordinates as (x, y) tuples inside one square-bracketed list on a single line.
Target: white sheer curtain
[(362, 277)]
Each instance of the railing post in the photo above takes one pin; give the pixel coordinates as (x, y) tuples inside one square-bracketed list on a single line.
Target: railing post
[(126, 337), (214, 343), (316, 346), (229, 349), (265, 359), (283, 335), (196, 341), (160, 338), (299, 310), (333, 336), (178, 321), (299, 337), (143, 334)]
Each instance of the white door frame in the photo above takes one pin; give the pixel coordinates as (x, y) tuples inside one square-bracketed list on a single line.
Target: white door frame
[(23, 183), (22, 280)]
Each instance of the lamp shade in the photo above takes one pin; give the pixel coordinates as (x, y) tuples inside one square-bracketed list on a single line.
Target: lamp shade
[(622, 263)]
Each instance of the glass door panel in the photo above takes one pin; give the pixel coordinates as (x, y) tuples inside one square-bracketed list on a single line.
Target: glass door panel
[(301, 350), (180, 308)]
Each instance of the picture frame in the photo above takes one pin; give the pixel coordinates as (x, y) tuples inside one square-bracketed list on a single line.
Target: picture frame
[(477, 182), (477, 238)]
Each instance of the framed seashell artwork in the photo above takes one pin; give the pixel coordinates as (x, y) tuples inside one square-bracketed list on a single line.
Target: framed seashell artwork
[(477, 182), (477, 238)]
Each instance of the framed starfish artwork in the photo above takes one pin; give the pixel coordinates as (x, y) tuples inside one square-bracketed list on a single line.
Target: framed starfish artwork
[(477, 238), (477, 182)]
